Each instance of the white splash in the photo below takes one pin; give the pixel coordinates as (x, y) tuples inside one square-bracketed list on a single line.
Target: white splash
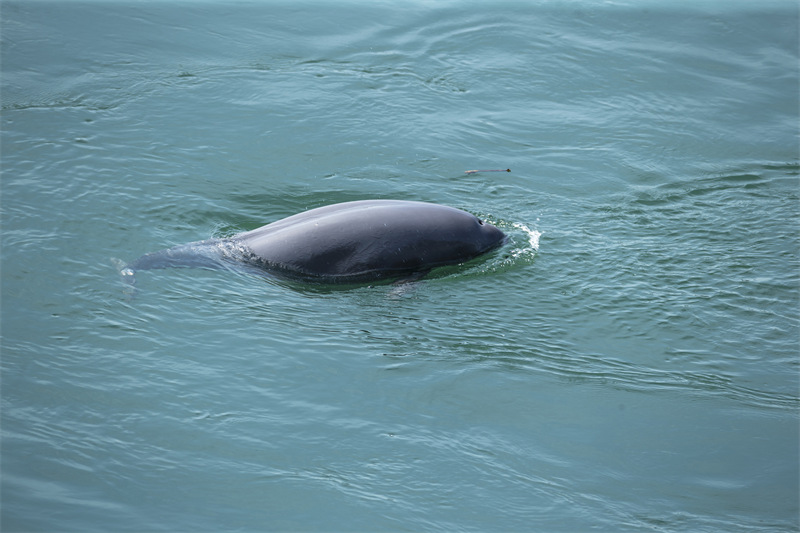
[(533, 235)]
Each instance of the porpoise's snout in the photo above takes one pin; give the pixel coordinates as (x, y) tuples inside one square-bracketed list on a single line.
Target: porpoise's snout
[(491, 235)]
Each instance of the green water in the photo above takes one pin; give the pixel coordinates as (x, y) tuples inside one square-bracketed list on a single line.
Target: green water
[(627, 362)]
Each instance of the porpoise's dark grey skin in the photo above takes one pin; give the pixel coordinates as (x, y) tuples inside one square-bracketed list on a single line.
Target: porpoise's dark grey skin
[(351, 242)]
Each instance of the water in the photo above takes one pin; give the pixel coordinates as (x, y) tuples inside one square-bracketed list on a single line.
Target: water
[(636, 372)]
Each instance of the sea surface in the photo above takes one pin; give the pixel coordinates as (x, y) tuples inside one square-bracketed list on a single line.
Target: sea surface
[(628, 361)]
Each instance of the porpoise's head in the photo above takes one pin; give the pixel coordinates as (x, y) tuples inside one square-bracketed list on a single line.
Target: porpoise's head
[(460, 235)]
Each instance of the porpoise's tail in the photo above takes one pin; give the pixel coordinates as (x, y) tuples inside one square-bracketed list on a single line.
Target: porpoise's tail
[(202, 254)]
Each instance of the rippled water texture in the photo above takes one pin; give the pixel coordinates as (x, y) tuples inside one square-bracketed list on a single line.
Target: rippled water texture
[(627, 362)]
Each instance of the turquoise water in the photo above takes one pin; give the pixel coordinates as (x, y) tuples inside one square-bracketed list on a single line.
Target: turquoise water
[(627, 362)]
